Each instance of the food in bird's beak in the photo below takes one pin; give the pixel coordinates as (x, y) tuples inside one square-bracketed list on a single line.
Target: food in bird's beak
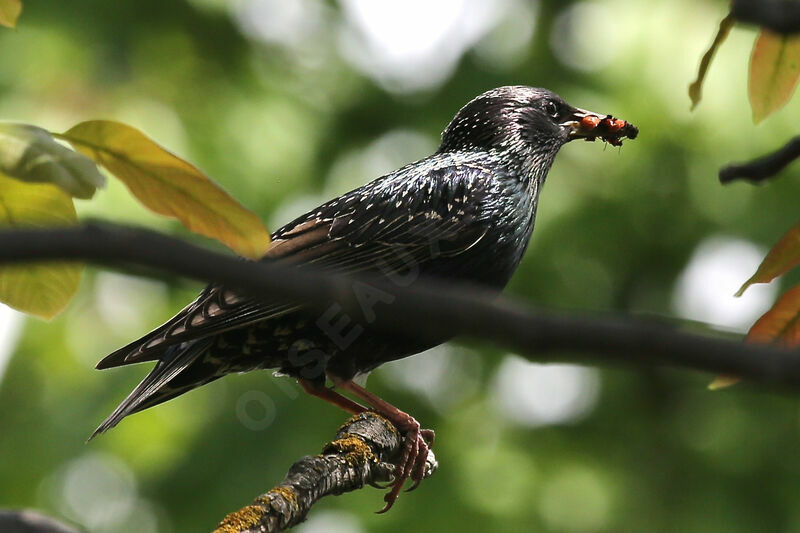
[(590, 126)]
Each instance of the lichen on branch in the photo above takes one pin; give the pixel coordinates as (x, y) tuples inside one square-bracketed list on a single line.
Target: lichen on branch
[(361, 454)]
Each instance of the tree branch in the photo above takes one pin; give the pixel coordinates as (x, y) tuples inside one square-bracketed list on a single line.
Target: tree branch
[(31, 521), (424, 310), (361, 454), (764, 167), (780, 16)]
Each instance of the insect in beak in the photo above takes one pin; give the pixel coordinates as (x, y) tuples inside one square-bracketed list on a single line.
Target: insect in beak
[(587, 125)]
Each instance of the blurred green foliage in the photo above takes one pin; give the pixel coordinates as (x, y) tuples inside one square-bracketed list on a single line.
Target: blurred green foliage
[(284, 119)]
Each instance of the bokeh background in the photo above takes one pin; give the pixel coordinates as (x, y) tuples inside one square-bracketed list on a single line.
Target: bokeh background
[(287, 104)]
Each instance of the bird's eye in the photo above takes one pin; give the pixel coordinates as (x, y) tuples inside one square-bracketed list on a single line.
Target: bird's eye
[(551, 108)]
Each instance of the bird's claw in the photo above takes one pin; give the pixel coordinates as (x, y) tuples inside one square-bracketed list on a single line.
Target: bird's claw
[(412, 462)]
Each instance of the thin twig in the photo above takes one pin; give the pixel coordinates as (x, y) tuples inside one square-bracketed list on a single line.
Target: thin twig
[(361, 454), (764, 167), (781, 16), (423, 310)]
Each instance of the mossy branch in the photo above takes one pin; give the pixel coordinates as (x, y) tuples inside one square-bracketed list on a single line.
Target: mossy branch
[(361, 454)]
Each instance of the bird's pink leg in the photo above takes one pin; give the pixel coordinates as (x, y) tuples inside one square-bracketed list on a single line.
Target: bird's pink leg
[(332, 397), (415, 446)]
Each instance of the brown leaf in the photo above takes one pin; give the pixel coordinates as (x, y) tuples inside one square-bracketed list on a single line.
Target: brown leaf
[(784, 256), (774, 71), (696, 87), (169, 185), (780, 325), (9, 12)]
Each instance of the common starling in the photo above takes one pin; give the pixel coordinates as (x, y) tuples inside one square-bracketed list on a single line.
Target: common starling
[(463, 214)]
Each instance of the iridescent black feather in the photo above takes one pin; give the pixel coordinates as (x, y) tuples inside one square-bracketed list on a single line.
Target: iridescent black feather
[(463, 214)]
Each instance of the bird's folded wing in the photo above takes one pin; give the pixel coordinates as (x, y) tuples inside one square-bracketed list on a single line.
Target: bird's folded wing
[(384, 227)]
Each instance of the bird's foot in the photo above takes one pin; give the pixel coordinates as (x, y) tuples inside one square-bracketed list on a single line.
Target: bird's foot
[(420, 466), (413, 459)]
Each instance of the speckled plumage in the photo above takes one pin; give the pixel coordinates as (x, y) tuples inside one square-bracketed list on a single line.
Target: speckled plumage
[(463, 214)]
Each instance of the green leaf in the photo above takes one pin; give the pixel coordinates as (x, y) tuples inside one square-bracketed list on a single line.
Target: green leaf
[(780, 325), (9, 12), (784, 256), (41, 289), (169, 185), (31, 154), (774, 71), (696, 87)]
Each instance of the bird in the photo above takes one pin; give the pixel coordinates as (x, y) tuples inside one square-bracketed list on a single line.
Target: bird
[(463, 214)]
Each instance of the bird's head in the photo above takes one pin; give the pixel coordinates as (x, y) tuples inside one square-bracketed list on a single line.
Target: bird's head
[(529, 123)]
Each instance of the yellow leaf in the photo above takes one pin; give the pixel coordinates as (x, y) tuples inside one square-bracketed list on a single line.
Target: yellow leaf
[(696, 88), (41, 289), (774, 71), (720, 382), (784, 256), (31, 154), (9, 12), (169, 185)]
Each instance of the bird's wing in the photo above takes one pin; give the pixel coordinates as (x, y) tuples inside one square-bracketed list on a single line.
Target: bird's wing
[(384, 226)]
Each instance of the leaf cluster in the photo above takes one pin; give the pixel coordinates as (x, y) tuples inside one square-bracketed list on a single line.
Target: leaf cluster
[(39, 177), (773, 76)]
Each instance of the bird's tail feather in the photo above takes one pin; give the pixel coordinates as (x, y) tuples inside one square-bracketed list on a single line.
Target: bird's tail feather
[(154, 387)]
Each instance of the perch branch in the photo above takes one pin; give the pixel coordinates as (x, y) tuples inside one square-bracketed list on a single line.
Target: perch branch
[(361, 454), (764, 167), (424, 310)]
